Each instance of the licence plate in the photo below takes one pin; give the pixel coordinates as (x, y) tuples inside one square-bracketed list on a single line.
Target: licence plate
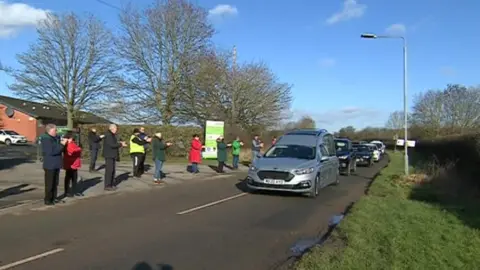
[(344, 165), (273, 181)]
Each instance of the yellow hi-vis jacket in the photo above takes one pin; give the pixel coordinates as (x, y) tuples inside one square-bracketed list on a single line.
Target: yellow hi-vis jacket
[(135, 147)]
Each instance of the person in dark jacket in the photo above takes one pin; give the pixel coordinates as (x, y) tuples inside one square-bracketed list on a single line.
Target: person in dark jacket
[(52, 149), (94, 145), (221, 153), (137, 152), (159, 156), (111, 147), (144, 137)]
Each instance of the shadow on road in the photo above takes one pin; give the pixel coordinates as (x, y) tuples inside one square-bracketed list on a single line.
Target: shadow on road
[(13, 162), (121, 177), (18, 189), (147, 266), (84, 185)]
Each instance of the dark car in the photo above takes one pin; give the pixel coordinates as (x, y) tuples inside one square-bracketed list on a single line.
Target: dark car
[(364, 154), (346, 156)]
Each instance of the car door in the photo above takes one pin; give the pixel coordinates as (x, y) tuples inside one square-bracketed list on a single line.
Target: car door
[(329, 142), (324, 166)]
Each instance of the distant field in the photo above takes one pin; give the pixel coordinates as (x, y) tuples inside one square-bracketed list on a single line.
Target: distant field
[(402, 224)]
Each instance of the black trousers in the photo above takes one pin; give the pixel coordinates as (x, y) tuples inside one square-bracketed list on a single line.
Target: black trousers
[(71, 177), (220, 166), (142, 164), (110, 167), (93, 159), (138, 159), (51, 184)]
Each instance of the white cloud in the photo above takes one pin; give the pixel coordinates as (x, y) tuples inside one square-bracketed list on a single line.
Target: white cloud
[(222, 11), (351, 10), (328, 62), (16, 16), (396, 29)]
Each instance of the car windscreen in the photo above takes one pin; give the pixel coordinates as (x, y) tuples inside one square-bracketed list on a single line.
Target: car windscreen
[(291, 151), (10, 132), (379, 145), (342, 146), (362, 148)]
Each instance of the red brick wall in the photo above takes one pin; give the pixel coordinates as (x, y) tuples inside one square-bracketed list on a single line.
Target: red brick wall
[(20, 123)]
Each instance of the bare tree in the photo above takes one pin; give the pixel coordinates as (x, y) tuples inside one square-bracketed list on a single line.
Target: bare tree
[(69, 66), (158, 46), (452, 110), (396, 120)]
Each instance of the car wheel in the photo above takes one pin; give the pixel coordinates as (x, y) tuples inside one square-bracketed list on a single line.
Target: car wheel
[(315, 189), (8, 142)]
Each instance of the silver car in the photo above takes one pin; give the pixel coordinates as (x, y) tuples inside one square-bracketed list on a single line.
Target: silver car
[(302, 161)]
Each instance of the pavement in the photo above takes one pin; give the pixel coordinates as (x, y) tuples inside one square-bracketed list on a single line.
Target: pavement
[(204, 223)]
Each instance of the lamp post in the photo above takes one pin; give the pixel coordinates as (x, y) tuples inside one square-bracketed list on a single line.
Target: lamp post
[(405, 109)]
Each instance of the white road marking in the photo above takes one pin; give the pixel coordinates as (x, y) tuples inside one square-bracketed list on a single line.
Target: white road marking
[(210, 204), (29, 259)]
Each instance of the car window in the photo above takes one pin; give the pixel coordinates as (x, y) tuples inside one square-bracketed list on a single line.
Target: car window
[(291, 151), (11, 132), (324, 151), (341, 146), (329, 142)]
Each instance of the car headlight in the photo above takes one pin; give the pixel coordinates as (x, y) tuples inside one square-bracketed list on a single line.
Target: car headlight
[(366, 157), (343, 157), (253, 168), (304, 171)]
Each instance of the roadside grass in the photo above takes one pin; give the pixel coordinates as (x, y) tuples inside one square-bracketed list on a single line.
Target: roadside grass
[(403, 223)]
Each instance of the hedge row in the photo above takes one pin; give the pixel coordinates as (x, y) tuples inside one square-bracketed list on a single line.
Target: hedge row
[(181, 136), (462, 151)]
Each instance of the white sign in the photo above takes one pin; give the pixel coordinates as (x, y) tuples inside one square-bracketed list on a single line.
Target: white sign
[(409, 143)]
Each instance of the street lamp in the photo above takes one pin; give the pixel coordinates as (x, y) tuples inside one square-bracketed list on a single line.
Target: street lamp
[(405, 109)]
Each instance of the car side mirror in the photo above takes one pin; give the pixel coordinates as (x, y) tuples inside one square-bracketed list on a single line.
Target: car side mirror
[(259, 155), (323, 159)]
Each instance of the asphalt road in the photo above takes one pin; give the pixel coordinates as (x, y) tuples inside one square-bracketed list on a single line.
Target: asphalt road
[(177, 227)]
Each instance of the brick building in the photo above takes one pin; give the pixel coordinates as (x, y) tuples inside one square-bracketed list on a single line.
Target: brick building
[(29, 118)]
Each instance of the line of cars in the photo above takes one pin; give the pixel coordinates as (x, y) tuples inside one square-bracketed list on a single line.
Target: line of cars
[(306, 160)]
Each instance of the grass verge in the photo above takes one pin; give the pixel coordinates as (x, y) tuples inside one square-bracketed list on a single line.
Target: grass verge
[(394, 228)]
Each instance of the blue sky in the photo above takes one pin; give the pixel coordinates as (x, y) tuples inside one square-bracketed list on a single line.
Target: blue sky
[(338, 78)]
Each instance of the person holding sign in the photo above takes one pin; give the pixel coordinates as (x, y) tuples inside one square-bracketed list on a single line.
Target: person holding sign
[(158, 149), (195, 155), (221, 153), (236, 148)]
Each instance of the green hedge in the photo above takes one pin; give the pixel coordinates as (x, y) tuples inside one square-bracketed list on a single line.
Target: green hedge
[(463, 151), (169, 133)]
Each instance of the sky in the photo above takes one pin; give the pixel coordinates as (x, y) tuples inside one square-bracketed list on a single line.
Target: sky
[(337, 78)]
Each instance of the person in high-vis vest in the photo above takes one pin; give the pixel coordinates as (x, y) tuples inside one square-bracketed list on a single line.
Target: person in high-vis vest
[(137, 152)]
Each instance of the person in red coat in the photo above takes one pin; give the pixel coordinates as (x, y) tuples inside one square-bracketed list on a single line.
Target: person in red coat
[(71, 164), (195, 156)]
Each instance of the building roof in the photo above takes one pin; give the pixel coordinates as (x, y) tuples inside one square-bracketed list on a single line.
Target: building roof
[(41, 110)]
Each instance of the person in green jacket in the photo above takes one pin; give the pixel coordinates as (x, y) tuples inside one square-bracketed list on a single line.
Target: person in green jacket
[(221, 153), (236, 147), (159, 156)]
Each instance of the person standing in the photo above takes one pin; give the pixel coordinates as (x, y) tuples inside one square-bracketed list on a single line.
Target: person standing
[(71, 163), (52, 149), (236, 148), (195, 155), (256, 147), (144, 137), (159, 156), (111, 147), (137, 152), (94, 145), (221, 153)]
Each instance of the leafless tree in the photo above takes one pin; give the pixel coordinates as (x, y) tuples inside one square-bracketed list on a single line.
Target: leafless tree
[(396, 120), (452, 110), (158, 46), (70, 65)]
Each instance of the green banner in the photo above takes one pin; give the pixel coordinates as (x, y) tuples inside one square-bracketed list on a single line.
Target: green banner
[(213, 130)]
